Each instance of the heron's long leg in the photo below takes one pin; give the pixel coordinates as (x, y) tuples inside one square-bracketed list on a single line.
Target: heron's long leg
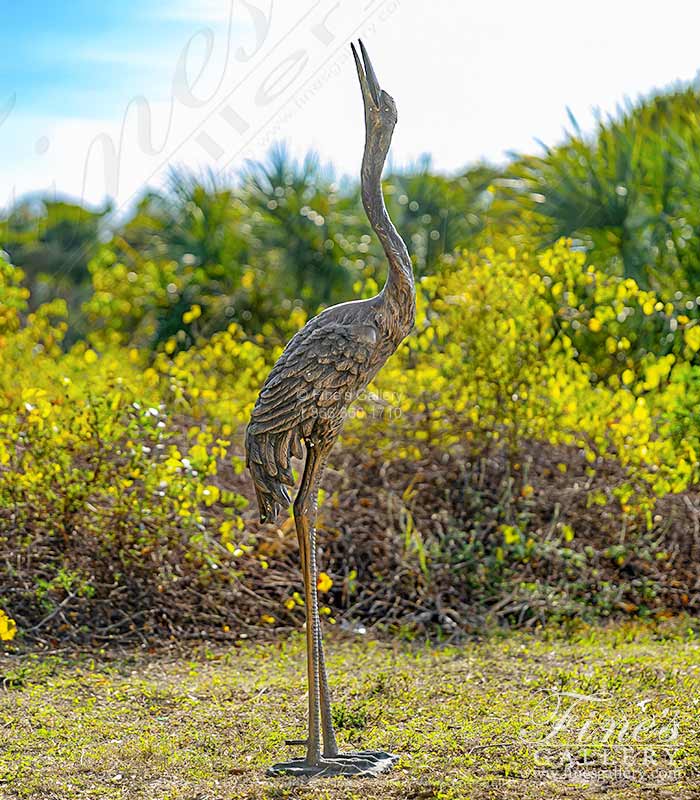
[(362, 762), (302, 506), (303, 513), (305, 507), (330, 747), (312, 742)]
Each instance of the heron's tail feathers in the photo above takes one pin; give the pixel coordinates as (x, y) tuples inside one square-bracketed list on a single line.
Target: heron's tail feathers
[(269, 462)]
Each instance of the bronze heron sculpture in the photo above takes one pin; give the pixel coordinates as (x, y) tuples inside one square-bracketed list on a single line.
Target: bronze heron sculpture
[(305, 398)]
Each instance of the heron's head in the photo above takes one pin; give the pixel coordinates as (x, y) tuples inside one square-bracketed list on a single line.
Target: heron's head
[(380, 108)]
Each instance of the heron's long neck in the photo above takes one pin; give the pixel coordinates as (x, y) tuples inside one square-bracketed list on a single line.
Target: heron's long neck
[(399, 291)]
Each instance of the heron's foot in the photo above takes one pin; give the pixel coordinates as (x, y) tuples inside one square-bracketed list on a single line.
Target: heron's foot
[(362, 763)]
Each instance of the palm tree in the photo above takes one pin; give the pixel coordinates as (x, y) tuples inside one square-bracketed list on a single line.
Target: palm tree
[(300, 219), (630, 192), (439, 214)]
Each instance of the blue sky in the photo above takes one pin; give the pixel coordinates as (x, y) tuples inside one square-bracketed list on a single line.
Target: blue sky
[(78, 58), (471, 80)]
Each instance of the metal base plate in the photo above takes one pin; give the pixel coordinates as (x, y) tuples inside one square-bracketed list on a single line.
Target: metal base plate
[(363, 763)]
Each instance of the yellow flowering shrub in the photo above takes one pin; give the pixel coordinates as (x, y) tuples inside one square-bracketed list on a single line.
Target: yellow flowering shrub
[(121, 469), (494, 358), (100, 480)]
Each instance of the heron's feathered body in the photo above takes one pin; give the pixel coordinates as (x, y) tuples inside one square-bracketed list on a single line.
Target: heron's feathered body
[(321, 371)]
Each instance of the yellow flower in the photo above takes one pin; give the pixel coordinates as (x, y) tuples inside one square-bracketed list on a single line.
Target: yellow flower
[(211, 494), (90, 357), (267, 619), (511, 535), (225, 530), (194, 313), (324, 582), (8, 627), (692, 338)]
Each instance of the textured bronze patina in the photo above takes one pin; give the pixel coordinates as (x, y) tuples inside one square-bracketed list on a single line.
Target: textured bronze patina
[(305, 398)]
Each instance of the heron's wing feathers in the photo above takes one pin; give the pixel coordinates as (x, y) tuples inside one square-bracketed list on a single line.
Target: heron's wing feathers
[(321, 367), (318, 375)]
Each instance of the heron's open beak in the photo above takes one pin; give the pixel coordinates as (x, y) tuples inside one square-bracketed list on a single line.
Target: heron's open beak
[(368, 80)]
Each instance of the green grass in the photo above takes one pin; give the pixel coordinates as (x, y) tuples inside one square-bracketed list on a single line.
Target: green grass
[(474, 721)]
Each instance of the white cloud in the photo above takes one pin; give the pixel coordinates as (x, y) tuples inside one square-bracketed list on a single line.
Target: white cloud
[(470, 80)]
